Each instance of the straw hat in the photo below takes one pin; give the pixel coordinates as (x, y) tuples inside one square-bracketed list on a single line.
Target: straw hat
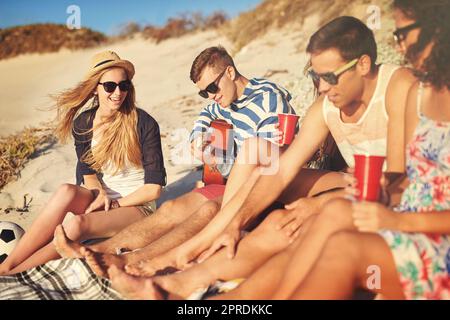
[(108, 59)]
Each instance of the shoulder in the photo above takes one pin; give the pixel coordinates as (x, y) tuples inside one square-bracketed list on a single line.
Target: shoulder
[(83, 119), (144, 118), (263, 88), (82, 123), (402, 78), (399, 85), (317, 105)]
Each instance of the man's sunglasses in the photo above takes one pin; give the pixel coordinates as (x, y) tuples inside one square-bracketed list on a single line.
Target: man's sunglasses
[(331, 77), (212, 87), (400, 34), (110, 86)]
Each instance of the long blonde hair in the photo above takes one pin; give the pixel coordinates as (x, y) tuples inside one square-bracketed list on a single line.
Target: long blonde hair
[(119, 143)]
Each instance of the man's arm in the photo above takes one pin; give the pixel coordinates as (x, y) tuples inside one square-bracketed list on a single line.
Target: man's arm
[(269, 187)]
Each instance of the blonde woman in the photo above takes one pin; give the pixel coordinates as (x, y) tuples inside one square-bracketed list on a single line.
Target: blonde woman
[(120, 164)]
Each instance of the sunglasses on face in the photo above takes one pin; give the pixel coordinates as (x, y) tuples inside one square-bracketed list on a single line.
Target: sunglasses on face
[(400, 34), (212, 87), (331, 78), (110, 86)]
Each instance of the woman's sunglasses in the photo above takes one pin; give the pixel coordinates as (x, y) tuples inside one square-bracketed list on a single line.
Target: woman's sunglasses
[(331, 77), (212, 87), (400, 34), (110, 86)]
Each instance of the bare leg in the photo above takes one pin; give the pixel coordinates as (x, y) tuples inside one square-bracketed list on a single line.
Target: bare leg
[(65, 247), (309, 182), (343, 266), (180, 256), (252, 251), (279, 277), (179, 234), (67, 198), (147, 230), (335, 216), (262, 283), (87, 226)]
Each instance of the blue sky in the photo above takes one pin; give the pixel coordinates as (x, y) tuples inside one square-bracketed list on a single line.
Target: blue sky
[(107, 15)]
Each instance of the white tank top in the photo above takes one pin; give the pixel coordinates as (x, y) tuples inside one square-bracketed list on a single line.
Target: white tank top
[(124, 182), (369, 134)]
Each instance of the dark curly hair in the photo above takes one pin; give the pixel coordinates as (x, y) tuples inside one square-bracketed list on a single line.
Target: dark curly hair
[(434, 19)]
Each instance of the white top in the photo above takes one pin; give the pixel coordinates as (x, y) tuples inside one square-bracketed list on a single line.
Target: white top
[(369, 134), (124, 182)]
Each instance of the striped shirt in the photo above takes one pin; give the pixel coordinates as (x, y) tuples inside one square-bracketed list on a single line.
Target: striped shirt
[(254, 114)]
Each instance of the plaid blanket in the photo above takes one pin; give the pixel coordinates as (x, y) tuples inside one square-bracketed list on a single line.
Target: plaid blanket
[(63, 279)]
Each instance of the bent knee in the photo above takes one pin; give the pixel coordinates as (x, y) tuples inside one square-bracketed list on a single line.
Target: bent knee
[(68, 190), (337, 212), (77, 227), (268, 236), (167, 205), (274, 218), (210, 209)]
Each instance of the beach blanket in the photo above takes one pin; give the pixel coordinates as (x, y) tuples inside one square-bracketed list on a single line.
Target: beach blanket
[(63, 279)]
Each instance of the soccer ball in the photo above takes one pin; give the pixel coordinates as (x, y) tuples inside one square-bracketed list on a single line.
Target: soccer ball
[(10, 234)]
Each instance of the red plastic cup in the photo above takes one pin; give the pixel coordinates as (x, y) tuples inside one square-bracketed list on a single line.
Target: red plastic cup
[(368, 170), (287, 123)]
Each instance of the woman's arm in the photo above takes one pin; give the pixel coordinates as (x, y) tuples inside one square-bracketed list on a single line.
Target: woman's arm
[(101, 200), (372, 217), (91, 182), (146, 193), (425, 222), (396, 104)]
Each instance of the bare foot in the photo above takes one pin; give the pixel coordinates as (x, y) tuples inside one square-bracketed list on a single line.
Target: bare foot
[(64, 246), (100, 262), (136, 288), (162, 264)]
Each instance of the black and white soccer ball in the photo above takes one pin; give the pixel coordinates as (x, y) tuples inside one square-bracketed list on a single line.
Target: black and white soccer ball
[(10, 234)]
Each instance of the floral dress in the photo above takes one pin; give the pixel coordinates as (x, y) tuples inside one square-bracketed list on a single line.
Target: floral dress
[(423, 260)]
